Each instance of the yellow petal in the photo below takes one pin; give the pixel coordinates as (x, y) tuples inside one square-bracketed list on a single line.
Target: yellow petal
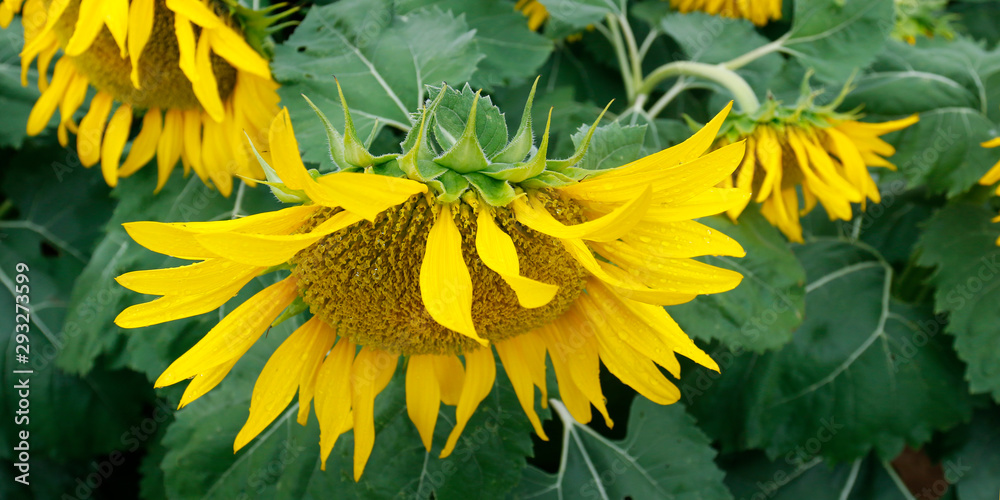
[(574, 399), (365, 194), (115, 138), (195, 279), (206, 381), (682, 239), (215, 155), (179, 239), (515, 357), (206, 88), (678, 275), (171, 307), (572, 345), (186, 46), (670, 185), (198, 12), (451, 377), (333, 396), (280, 377), (192, 142), (992, 143), (169, 145), (497, 252), (42, 111), (480, 372), (607, 228), (140, 20), (445, 283), (370, 366), (144, 144), (768, 155), (744, 176), (75, 93), (579, 251), (233, 335), (229, 45), (630, 366), (116, 17), (271, 250), (88, 25), (684, 152), (88, 139), (423, 396), (311, 363), (647, 328)]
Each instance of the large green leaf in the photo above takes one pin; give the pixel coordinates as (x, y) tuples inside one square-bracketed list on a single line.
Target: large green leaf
[(943, 152), (960, 241), (283, 462), (767, 306), (976, 465), (834, 37), (383, 62), (611, 146), (861, 374), (663, 456), (512, 51), (569, 16), (751, 475)]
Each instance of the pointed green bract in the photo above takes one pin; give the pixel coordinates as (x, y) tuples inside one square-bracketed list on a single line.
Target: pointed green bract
[(458, 144)]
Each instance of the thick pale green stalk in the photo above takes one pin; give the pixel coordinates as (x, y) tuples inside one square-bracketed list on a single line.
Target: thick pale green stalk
[(734, 83)]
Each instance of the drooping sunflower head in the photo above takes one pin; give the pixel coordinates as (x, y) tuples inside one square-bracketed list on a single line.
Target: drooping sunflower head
[(915, 18), (807, 149), (188, 68), (464, 241), (759, 12), (993, 175)]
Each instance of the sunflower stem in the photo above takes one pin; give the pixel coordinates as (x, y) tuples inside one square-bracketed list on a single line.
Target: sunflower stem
[(734, 83), (634, 57), (613, 34)]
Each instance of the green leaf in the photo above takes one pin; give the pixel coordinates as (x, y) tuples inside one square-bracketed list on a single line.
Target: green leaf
[(512, 51), (663, 456), (767, 306), (570, 16), (283, 462), (976, 465), (942, 150), (834, 37), (909, 79), (15, 100), (861, 374), (611, 146), (751, 474), (715, 39), (960, 241), (383, 62)]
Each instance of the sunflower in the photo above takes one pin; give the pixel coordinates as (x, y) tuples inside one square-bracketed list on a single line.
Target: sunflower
[(185, 67), (760, 12), (439, 257), (925, 18), (822, 153), (536, 13)]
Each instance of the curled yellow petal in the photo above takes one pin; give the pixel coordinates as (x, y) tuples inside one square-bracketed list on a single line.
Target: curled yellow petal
[(333, 397), (144, 144), (115, 138), (497, 251), (140, 20), (88, 139), (515, 357), (606, 228), (369, 374)]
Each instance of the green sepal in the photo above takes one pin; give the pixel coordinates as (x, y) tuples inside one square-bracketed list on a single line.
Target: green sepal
[(581, 150), (497, 193), (506, 171), (466, 155), (332, 136), (297, 307), (418, 150), (519, 147), (355, 151), (449, 186), (547, 180), (537, 164), (278, 189), (389, 169)]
